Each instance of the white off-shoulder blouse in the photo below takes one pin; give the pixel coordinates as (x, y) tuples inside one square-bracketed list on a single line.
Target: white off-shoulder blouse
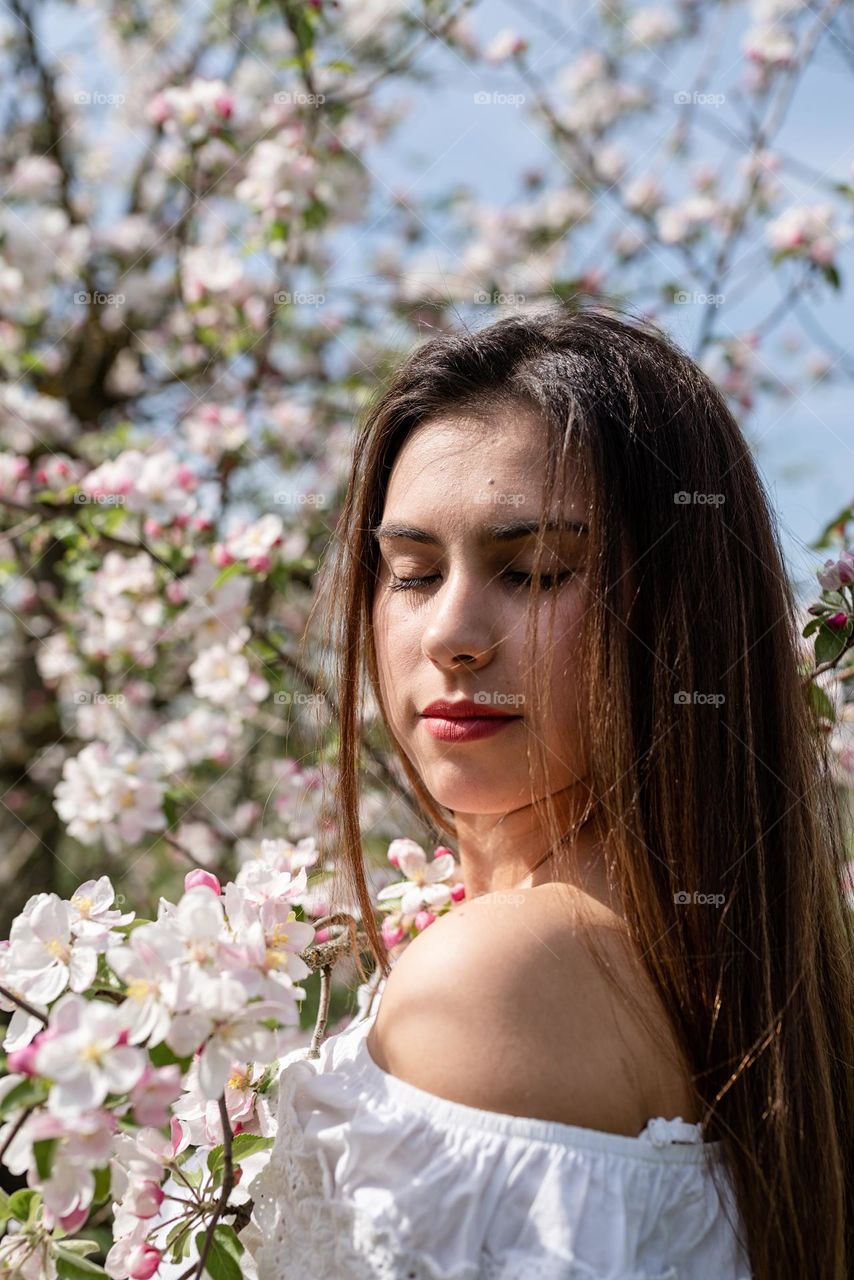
[(371, 1178)]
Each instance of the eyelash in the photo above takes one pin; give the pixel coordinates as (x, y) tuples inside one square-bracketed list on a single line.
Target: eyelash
[(519, 579)]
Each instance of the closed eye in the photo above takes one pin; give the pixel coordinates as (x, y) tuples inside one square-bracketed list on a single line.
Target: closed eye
[(515, 577)]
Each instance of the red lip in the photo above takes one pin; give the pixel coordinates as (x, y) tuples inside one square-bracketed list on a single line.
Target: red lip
[(465, 709)]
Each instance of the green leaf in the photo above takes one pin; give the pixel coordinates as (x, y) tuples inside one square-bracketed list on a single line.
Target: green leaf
[(820, 702), (103, 1178), (22, 1203), (70, 1266), (43, 1150), (315, 215), (224, 1257), (28, 1093), (244, 1145), (248, 1144), (270, 1074), (811, 627), (193, 1176), (831, 274), (303, 29), (4, 1205), (830, 643), (228, 572), (835, 598), (81, 1247), (115, 516), (162, 1056), (178, 1240)]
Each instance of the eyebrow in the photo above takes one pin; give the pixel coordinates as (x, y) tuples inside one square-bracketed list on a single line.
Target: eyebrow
[(491, 533)]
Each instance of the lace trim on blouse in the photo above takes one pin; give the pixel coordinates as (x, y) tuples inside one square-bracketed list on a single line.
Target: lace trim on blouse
[(299, 1230)]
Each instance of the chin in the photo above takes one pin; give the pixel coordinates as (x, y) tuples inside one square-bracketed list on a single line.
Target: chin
[(467, 796)]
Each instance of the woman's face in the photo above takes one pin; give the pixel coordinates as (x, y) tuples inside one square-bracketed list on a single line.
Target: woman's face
[(461, 633)]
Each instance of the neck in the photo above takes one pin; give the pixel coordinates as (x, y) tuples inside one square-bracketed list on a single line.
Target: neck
[(509, 852)]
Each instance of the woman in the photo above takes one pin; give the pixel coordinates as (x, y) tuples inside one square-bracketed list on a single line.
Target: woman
[(628, 1055)]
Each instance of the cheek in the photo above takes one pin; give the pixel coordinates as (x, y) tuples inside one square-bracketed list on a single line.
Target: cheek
[(557, 666), (396, 641)]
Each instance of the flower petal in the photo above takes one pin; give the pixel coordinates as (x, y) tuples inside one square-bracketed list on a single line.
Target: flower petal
[(441, 868)]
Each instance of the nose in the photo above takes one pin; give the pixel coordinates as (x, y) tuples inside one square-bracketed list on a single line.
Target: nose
[(459, 630)]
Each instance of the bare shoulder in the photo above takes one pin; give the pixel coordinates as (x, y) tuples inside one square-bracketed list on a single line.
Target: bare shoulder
[(499, 1005)]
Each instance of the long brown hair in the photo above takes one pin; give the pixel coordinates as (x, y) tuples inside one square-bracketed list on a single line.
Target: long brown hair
[(704, 754)]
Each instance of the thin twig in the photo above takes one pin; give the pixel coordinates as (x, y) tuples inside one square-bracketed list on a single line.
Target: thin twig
[(15, 1130), (227, 1188), (23, 1004)]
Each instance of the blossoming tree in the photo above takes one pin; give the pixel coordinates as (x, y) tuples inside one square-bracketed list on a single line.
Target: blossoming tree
[(183, 355)]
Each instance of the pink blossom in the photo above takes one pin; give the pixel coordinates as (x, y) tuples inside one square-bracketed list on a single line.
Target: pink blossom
[(426, 885), (391, 935), (221, 557), (260, 564), (837, 573), (505, 45), (158, 109), (71, 1222), (23, 1061), (202, 879), (142, 1261), (154, 1092), (145, 1198)]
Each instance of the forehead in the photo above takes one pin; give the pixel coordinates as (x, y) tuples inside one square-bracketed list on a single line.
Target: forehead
[(465, 471)]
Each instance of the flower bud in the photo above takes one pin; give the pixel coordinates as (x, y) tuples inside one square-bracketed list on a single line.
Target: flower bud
[(200, 879), (392, 936), (147, 1199), (221, 557), (23, 1061), (142, 1262), (73, 1221)]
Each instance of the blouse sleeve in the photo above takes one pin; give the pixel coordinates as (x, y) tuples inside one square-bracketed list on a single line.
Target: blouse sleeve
[(371, 1178)]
